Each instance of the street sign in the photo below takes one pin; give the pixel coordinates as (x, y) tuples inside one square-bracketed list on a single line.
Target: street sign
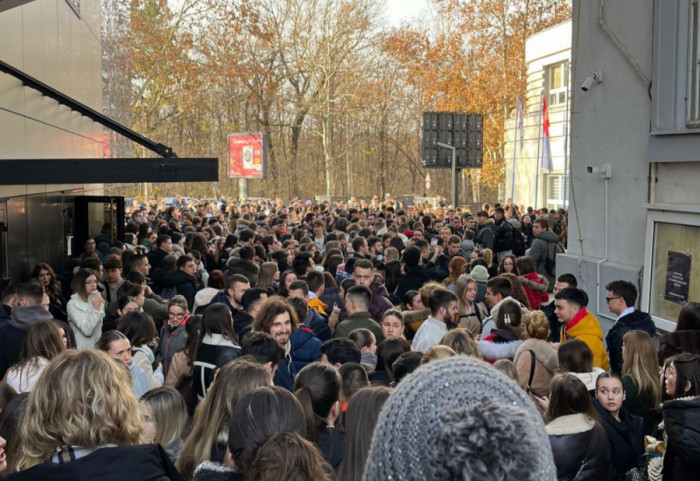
[(428, 180)]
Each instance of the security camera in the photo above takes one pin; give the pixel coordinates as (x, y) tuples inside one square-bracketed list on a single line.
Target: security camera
[(592, 170), (596, 78)]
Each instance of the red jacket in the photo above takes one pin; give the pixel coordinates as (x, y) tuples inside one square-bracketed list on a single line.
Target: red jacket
[(536, 289)]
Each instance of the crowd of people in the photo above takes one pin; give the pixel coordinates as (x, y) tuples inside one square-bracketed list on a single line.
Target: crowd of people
[(347, 341)]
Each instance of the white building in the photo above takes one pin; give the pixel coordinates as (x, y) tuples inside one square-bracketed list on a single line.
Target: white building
[(548, 57), (641, 221)]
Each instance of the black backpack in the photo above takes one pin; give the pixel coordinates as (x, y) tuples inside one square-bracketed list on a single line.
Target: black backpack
[(550, 262), (518, 243)]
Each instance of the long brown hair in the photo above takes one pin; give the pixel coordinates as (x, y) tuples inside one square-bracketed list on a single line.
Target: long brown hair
[(288, 456), (54, 287), (43, 340), (517, 291), (568, 395), (641, 363)]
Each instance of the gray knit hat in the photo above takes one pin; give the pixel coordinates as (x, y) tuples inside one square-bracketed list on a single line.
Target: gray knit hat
[(459, 419), (480, 274)]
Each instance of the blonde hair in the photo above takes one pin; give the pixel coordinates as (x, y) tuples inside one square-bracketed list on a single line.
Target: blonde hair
[(461, 342), (391, 254), (537, 326), (437, 352), (81, 399), (487, 255), (427, 290), (169, 414), (212, 417), (461, 287), (641, 363)]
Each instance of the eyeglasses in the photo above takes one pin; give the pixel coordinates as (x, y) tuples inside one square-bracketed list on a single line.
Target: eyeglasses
[(608, 299), (178, 316)]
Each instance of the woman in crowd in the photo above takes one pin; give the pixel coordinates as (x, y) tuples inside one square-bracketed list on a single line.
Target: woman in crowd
[(508, 265), (360, 419), (576, 358), (181, 364), (681, 417), (139, 329), (487, 256), (86, 310), (471, 313), (10, 431), (208, 439), (173, 334), (317, 387), (578, 441), (387, 352), (535, 359), (456, 269), (118, 347), (517, 291), (52, 286), (268, 278), (392, 273), (624, 430), (392, 324), (203, 297), (526, 230), (216, 345), (41, 344), (640, 377), (686, 337), (367, 343), (534, 285), (164, 417), (287, 455), (64, 426), (286, 279), (504, 340), (461, 342)]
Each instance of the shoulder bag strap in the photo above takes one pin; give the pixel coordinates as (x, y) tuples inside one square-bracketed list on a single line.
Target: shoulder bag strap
[(585, 458), (533, 359)]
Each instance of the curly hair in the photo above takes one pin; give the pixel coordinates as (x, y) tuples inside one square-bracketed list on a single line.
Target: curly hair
[(81, 399)]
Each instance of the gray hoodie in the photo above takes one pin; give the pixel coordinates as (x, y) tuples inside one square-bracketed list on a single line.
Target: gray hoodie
[(23, 317)]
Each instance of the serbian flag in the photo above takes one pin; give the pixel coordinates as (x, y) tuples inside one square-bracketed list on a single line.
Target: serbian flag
[(521, 115), (546, 152)]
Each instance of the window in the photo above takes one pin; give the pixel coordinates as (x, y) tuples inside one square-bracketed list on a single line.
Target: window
[(557, 83), (554, 194), (674, 275), (692, 111)]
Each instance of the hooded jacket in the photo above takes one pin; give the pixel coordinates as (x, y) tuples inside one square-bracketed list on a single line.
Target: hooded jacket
[(306, 348), (634, 321), (626, 439), (580, 450), (585, 327), (544, 247), (682, 424), (13, 332), (535, 286)]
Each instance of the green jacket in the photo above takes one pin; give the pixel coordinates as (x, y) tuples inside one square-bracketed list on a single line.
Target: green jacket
[(358, 320)]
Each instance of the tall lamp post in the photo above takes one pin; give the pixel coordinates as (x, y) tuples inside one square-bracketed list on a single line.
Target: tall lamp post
[(454, 171)]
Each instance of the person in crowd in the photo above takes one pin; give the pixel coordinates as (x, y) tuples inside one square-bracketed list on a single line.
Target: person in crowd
[(339, 351), (576, 358), (436, 352), (278, 318), (360, 420), (208, 439), (42, 343), (66, 434), (624, 430), (443, 309), (535, 359), (577, 439), (357, 304), (387, 353), (305, 346), (164, 417), (10, 436), (534, 285), (236, 285), (7, 394), (544, 249), (416, 274), (503, 342), (268, 278), (640, 377), (251, 302), (367, 343), (379, 298), (46, 276), (86, 309), (118, 347), (173, 334), (183, 279), (681, 417), (392, 324), (113, 279), (471, 312), (498, 290), (686, 337), (204, 296), (491, 264), (286, 279), (508, 265), (139, 328), (563, 281), (317, 387), (353, 377), (621, 297), (456, 269), (216, 345), (426, 431), (507, 367), (579, 323), (461, 342), (485, 231)]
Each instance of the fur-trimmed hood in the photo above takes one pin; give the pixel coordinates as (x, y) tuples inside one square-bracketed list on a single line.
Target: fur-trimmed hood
[(570, 424), (542, 286)]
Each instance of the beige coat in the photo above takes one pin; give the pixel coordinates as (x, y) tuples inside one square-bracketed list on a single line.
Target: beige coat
[(546, 362)]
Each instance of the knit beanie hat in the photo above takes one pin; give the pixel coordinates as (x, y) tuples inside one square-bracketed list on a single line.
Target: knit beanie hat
[(459, 419), (480, 274)]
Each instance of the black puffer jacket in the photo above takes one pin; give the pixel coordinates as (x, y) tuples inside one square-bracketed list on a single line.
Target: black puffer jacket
[(626, 439), (636, 320), (580, 449), (682, 424)]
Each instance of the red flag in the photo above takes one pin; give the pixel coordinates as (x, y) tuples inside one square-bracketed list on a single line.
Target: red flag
[(546, 155)]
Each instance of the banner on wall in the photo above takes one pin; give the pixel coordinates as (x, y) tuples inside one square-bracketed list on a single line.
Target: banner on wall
[(247, 155), (677, 277)]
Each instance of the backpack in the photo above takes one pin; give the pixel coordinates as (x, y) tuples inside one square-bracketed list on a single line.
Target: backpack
[(518, 243), (550, 263)]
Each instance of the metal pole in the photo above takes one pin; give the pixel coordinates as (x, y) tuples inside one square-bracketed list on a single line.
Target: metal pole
[(537, 159), (515, 142), (454, 171), (566, 137)]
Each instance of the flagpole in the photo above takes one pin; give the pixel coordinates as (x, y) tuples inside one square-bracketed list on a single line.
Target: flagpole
[(515, 142), (566, 136), (537, 159)]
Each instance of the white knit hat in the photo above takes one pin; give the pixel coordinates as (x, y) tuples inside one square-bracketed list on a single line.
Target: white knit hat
[(459, 419)]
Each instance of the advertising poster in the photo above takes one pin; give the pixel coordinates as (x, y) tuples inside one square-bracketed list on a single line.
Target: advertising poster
[(677, 277), (247, 155)]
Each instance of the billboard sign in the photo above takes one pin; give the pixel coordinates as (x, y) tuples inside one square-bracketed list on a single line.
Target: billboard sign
[(247, 155)]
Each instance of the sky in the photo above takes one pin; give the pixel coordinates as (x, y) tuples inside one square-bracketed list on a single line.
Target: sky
[(398, 11)]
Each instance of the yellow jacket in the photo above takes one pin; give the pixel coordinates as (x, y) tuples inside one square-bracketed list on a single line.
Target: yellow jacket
[(585, 327)]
